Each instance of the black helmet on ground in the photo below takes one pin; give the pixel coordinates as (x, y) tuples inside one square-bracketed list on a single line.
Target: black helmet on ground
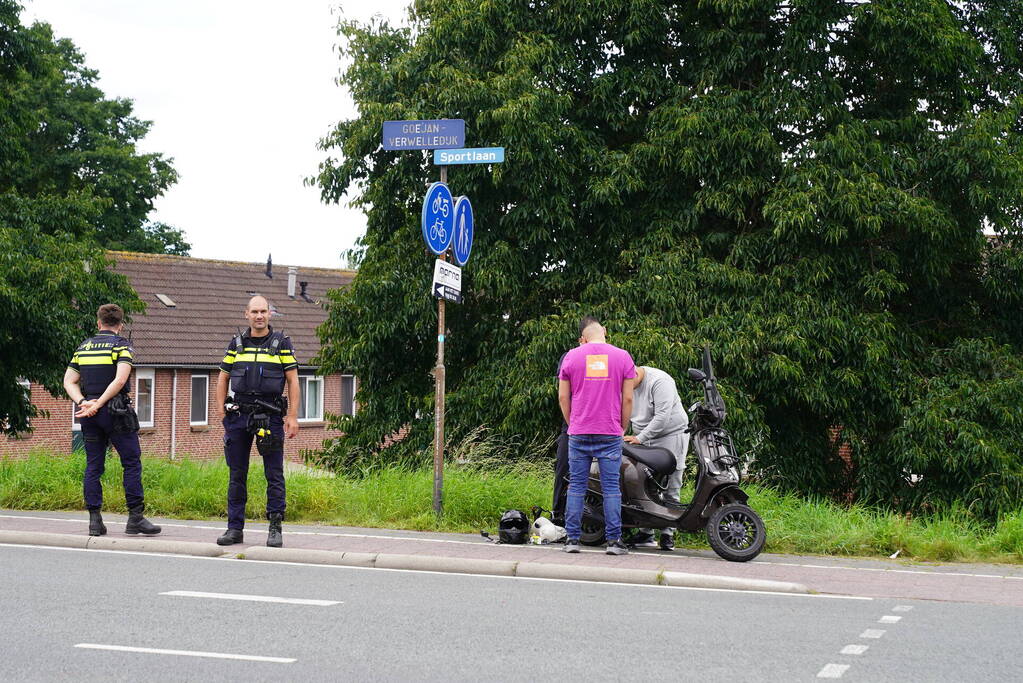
[(514, 527)]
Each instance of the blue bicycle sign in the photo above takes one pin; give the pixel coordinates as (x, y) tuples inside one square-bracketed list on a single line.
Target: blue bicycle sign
[(438, 218), (461, 241)]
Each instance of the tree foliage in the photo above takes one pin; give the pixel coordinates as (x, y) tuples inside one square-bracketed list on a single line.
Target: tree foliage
[(61, 136), (802, 184), (71, 185)]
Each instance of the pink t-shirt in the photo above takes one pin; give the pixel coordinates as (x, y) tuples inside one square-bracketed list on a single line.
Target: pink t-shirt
[(595, 373)]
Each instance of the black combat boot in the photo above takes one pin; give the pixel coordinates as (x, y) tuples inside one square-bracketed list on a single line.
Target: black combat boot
[(230, 537), (137, 524), (274, 538), (96, 525)]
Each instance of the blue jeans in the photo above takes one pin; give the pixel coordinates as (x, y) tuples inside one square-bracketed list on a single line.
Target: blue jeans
[(606, 449)]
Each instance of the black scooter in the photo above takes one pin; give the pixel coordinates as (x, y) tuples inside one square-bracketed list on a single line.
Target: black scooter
[(734, 530)]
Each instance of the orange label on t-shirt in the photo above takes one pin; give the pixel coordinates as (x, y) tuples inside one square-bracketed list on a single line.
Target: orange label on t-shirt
[(596, 365)]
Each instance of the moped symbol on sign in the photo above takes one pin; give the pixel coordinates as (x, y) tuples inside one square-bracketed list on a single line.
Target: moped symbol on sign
[(438, 218), (462, 239)]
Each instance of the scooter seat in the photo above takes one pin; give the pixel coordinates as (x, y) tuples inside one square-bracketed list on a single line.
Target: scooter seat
[(660, 460)]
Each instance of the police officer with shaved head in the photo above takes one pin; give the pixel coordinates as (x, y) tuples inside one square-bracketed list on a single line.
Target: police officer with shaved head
[(96, 379), (257, 365)]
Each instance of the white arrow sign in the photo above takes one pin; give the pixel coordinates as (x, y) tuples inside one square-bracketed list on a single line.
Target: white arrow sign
[(447, 281)]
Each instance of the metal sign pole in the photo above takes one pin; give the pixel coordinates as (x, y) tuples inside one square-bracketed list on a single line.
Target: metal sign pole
[(439, 376)]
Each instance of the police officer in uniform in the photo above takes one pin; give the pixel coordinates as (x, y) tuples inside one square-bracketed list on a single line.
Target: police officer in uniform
[(257, 365), (96, 379)]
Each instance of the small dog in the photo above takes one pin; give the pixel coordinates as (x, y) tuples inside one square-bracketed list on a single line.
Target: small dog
[(548, 531)]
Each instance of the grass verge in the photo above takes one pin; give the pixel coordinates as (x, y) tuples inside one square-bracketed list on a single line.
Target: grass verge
[(475, 497)]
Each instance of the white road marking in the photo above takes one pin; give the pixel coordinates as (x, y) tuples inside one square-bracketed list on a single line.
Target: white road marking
[(854, 649), (889, 619), (252, 598), (902, 608), (552, 548), (833, 671), (186, 653), (821, 596), (873, 633)]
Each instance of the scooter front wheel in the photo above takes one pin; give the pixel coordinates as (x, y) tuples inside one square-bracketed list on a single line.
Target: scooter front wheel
[(592, 532), (592, 528), (736, 532)]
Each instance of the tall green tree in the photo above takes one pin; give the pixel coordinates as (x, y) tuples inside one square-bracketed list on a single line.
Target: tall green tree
[(61, 136), (72, 184), (802, 184)]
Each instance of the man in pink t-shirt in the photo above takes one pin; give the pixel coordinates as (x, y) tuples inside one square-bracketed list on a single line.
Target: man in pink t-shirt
[(595, 392)]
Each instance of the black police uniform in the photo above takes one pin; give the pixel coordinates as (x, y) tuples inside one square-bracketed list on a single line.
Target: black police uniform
[(96, 360), (257, 368)]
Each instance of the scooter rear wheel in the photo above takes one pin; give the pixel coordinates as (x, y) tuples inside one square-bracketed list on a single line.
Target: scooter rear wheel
[(736, 532)]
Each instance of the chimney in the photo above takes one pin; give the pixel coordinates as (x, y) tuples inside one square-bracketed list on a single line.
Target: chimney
[(269, 267), (292, 275), (305, 297)]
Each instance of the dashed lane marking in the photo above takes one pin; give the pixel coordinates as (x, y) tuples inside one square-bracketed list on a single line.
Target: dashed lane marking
[(833, 671), (902, 608), (873, 633), (252, 598), (889, 619), (854, 649), (186, 653)]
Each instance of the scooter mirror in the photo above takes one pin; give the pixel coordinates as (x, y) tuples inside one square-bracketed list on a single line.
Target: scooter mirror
[(696, 375)]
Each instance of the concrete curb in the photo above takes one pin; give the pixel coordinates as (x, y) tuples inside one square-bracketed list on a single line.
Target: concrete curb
[(155, 545), (40, 538), (431, 563), (455, 565), (534, 570)]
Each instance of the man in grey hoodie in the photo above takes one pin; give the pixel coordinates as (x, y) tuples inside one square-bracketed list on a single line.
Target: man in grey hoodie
[(658, 419)]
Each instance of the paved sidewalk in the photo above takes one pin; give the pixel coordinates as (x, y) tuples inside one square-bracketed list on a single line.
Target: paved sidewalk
[(986, 584)]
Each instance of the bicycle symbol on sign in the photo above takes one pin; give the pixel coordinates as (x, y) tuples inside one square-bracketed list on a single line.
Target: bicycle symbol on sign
[(437, 231)]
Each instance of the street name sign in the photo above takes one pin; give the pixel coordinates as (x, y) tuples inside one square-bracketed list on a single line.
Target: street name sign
[(433, 134), (438, 218), (461, 241), (478, 155), (447, 281)]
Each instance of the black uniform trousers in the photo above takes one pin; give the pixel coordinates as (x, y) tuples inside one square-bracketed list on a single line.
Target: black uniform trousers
[(237, 447), (98, 434)]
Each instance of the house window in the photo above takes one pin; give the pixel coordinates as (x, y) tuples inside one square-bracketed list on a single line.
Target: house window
[(76, 424), (199, 414), (347, 394), (144, 385), (310, 402)]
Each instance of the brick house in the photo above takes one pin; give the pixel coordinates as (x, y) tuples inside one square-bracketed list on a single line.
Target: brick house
[(194, 308)]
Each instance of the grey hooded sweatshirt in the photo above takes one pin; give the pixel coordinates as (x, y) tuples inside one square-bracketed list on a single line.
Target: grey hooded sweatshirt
[(656, 407)]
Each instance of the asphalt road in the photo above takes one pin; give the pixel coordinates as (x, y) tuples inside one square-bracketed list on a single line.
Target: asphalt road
[(396, 625)]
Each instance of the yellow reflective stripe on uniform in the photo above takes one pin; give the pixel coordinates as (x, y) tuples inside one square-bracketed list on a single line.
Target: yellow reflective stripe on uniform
[(263, 358), (228, 359), (231, 352), (96, 360)]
